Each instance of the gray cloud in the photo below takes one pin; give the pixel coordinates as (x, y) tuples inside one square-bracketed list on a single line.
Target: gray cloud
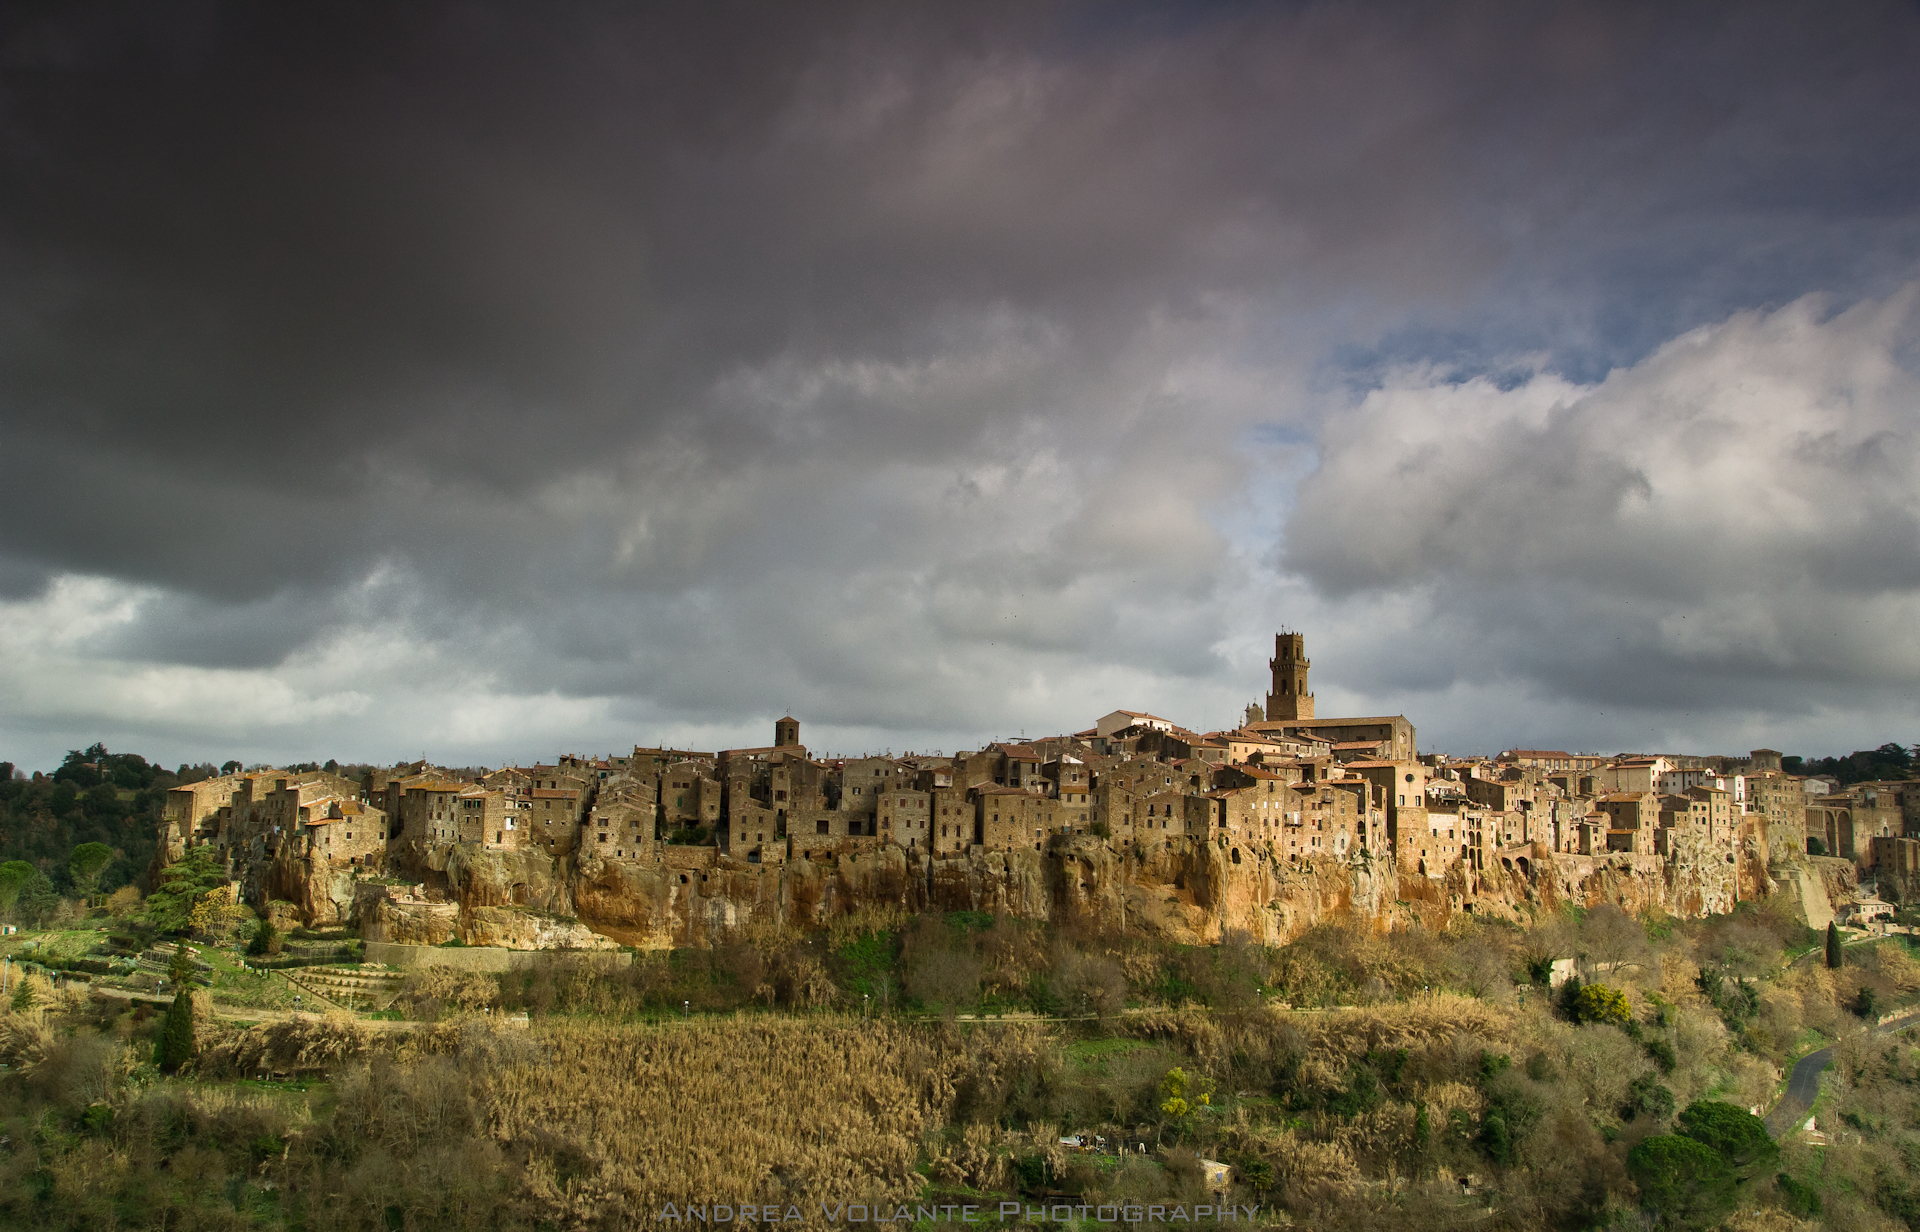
[(1731, 526), (532, 376)]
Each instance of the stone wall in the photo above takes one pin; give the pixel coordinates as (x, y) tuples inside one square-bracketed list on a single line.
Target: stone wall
[(487, 958)]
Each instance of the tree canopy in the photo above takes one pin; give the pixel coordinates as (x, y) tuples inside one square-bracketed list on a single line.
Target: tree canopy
[(1889, 761), (170, 907), (1740, 1137), (113, 800), (1684, 1182)]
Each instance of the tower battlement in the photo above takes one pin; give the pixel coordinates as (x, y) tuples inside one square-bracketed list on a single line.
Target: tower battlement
[(1289, 698)]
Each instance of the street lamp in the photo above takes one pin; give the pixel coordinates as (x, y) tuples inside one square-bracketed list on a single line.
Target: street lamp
[(686, 1009)]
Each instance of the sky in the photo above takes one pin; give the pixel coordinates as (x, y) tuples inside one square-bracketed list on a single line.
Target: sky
[(483, 382)]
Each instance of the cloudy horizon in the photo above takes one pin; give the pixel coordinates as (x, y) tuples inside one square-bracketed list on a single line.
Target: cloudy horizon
[(480, 382)]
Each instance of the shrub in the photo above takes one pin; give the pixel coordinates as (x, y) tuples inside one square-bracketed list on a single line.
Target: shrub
[(1647, 1097), (1799, 1199), (1598, 1003)]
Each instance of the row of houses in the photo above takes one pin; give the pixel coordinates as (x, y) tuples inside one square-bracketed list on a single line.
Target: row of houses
[(1286, 786)]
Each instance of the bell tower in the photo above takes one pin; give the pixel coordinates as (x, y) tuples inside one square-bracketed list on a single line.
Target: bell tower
[(1289, 698)]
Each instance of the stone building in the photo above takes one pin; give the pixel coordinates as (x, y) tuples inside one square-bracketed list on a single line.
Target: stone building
[(621, 823), (1289, 700), (1011, 819), (689, 794), (430, 812), (344, 831), (1782, 800), (903, 815)]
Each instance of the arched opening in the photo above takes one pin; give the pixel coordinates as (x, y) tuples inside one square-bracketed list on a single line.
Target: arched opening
[(1526, 869), (520, 894), (1236, 855)]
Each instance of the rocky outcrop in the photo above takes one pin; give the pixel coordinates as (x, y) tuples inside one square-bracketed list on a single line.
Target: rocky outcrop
[(1191, 890), (404, 915), (322, 891)]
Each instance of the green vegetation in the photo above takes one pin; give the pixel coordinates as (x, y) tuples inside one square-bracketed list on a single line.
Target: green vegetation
[(1348, 1080), (169, 908), (1886, 763), (96, 799), (265, 940), (174, 1046)]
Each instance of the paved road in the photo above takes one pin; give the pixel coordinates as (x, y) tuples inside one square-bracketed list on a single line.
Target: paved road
[(1803, 1083)]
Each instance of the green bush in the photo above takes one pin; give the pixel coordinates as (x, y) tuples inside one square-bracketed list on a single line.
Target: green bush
[(1799, 1199), (1598, 1003), (1646, 1097)]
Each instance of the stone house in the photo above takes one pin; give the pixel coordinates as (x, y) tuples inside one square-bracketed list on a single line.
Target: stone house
[(430, 811), (952, 821), (344, 831), (1011, 819), (620, 826), (1633, 819), (904, 817), (689, 794), (1782, 800), (483, 814)]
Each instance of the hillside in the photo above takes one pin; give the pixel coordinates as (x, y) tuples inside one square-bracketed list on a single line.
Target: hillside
[(1349, 1079)]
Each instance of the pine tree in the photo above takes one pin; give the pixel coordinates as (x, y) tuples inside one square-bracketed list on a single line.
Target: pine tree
[(1834, 958), (174, 1047)]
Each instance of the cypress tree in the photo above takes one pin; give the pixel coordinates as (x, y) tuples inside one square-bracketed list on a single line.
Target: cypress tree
[(174, 1047), (1834, 957)]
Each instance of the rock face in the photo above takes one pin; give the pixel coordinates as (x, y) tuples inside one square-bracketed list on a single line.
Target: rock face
[(1186, 889)]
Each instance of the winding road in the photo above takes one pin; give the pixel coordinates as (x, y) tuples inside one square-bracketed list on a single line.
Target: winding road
[(1803, 1083)]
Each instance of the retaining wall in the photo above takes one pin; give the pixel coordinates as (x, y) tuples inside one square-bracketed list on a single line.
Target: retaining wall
[(488, 958)]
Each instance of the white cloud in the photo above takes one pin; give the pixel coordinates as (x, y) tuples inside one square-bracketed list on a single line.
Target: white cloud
[(1728, 529)]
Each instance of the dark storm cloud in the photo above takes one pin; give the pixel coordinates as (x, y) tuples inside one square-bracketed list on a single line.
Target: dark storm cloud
[(896, 360)]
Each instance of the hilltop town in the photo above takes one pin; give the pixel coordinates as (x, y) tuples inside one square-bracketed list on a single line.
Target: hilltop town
[(1266, 828)]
